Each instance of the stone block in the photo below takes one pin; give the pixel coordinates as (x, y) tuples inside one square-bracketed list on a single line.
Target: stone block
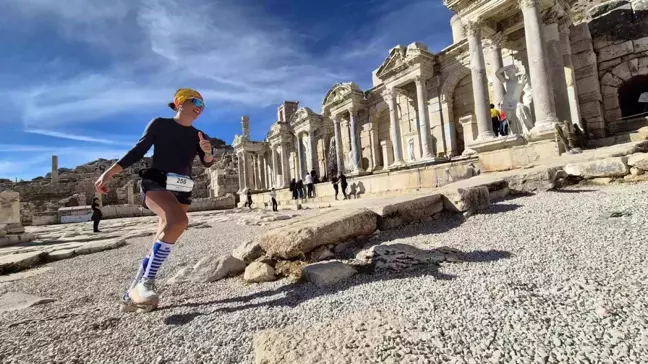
[(641, 45), (535, 180), (609, 91), (603, 66), (615, 51), (398, 257), (60, 255), (21, 261), (470, 199), (591, 109), (612, 115), (407, 210), (610, 167), (302, 235), (329, 273), (611, 102), (583, 60), (248, 252), (594, 95), (622, 71), (9, 208), (633, 65), (611, 80), (588, 83), (211, 269), (582, 46), (579, 32), (639, 160), (258, 272), (100, 245)]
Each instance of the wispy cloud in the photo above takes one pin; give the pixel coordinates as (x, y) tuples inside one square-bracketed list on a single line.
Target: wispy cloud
[(83, 138)]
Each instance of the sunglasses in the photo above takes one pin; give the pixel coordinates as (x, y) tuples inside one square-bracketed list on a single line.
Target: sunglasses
[(198, 102)]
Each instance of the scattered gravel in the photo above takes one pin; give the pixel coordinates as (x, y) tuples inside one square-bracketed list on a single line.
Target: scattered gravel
[(558, 277)]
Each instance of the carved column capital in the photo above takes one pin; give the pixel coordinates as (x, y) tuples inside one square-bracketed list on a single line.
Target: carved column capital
[(419, 80), (472, 28), (495, 41), (528, 3)]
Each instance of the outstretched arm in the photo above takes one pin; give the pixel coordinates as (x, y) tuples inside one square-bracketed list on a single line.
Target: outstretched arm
[(205, 151)]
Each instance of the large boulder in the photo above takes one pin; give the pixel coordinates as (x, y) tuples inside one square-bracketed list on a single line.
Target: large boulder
[(327, 273), (259, 272), (535, 180), (407, 210), (610, 167), (470, 199), (300, 236), (639, 160), (210, 269)]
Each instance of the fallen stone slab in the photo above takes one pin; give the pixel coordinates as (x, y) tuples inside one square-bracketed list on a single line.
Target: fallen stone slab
[(300, 236), (16, 262), (258, 272), (14, 301), (357, 338), (249, 251), (101, 245), (610, 167), (472, 199), (181, 276), (22, 275), (407, 210), (398, 257), (535, 180), (211, 269), (328, 273), (60, 255), (639, 160)]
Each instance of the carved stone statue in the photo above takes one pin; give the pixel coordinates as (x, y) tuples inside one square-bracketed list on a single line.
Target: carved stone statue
[(410, 149), (523, 111), (515, 83)]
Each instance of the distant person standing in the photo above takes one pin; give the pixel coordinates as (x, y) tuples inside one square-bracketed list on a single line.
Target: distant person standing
[(309, 185), (343, 184), (96, 215), (248, 203), (335, 183), (273, 195), (495, 119), (300, 189), (293, 189), (504, 122)]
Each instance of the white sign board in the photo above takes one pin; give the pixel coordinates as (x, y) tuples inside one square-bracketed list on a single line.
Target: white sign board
[(75, 218), (643, 97)]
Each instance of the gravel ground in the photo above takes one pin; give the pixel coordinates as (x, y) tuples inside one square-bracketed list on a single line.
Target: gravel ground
[(558, 277)]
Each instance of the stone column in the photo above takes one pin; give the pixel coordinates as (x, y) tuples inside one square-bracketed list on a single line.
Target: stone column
[(424, 126), (54, 177), (390, 97), (495, 53), (355, 145), (285, 165), (264, 173), (245, 169), (241, 176), (570, 77), (130, 193), (557, 71), (384, 145), (479, 81), (375, 147), (275, 172), (338, 144), (543, 102), (300, 158), (312, 147)]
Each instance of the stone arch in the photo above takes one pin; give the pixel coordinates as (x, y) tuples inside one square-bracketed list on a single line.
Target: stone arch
[(612, 81), (339, 91), (448, 89), (453, 129)]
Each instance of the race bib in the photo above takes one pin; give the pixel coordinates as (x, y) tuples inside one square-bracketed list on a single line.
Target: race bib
[(179, 183)]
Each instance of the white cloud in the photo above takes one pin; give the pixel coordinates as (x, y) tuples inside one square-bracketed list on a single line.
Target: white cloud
[(82, 138), (236, 55)]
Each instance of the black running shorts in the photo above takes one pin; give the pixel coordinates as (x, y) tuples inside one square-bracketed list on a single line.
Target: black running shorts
[(183, 198)]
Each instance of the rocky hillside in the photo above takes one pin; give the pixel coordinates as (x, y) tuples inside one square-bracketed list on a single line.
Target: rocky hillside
[(40, 194)]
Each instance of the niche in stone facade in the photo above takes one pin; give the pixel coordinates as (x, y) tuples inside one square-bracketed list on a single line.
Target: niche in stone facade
[(629, 94)]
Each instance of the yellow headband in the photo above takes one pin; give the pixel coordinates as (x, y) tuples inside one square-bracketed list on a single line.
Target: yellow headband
[(185, 94)]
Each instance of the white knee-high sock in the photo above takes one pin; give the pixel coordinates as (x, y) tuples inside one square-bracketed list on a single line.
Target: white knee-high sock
[(159, 253), (140, 272)]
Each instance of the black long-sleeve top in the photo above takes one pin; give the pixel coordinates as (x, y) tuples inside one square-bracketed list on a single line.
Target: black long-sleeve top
[(175, 147)]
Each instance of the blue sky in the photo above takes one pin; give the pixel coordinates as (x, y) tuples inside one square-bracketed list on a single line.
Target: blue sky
[(81, 78)]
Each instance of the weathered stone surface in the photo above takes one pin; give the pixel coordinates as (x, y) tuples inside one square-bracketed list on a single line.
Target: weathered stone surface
[(100, 245), (9, 208), (249, 251), (616, 51), (181, 276), (639, 160), (326, 274), (210, 269), (407, 210), (14, 228), (300, 236), (13, 301), (258, 272), (17, 262), (322, 253), (636, 171), (536, 180), (60, 255), (397, 257), (601, 181), (22, 275), (610, 167), (466, 199)]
